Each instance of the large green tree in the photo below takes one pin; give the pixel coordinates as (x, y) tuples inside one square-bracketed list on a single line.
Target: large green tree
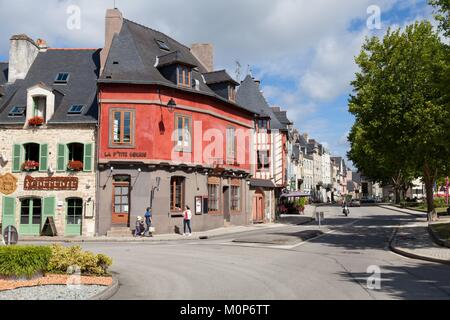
[(442, 14), (402, 126)]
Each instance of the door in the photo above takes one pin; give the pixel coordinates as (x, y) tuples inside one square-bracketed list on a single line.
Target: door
[(30, 217), (74, 217), (121, 202), (226, 204), (258, 207)]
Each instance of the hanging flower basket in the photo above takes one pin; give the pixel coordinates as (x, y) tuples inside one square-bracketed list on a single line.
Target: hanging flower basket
[(36, 121), (75, 166), (30, 165)]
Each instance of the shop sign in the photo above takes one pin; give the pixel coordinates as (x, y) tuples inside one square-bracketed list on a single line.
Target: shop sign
[(126, 155), (8, 184), (51, 183)]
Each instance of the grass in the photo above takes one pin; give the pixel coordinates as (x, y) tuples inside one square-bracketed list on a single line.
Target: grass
[(442, 230), (424, 209)]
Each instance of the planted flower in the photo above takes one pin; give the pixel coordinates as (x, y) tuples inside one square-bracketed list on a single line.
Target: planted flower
[(30, 165), (36, 121), (75, 166)]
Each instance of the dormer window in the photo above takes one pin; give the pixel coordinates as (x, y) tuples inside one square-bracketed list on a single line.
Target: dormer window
[(62, 78), (263, 124), (184, 76), (75, 109), (232, 93)]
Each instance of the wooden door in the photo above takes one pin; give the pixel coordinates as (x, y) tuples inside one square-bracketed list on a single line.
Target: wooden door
[(258, 207), (121, 204)]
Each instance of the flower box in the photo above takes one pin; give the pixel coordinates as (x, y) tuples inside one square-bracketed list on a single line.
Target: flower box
[(36, 121), (30, 165), (75, 166)]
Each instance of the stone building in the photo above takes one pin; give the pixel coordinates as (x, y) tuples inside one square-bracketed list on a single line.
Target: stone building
[(48, 118)]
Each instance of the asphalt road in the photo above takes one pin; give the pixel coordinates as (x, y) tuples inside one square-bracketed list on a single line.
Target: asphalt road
[(277, 264)]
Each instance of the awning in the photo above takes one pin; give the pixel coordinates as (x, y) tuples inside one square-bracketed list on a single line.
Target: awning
[(295, 194), (259, 183)]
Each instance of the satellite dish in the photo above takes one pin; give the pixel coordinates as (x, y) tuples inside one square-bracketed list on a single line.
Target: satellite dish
[(10, 236)]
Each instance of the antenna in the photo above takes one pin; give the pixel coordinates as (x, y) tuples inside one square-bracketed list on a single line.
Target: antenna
[(115, 7), (238, 71), (249, 70)]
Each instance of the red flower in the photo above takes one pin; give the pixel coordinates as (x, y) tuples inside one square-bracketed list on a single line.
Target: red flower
[(36, 121), (75, 165), (30, 165)]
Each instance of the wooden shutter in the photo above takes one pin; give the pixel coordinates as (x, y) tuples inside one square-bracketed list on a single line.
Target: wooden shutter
[(43, 157), (17, 157), (48, 208), (9, 212), (88, 150), (62, 158)]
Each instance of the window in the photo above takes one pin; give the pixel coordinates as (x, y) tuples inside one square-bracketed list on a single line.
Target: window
[(264, 160), (122, 131), (213, 197), (184, 76), (17, 112), (76, 151), (231, 144), (39, 106), (31, 152), (183, 127), (74, 211), (76, 109), (62, 78), (235, 198), (177, 193), (232, 93), (31, 212), (162, 45), (263, 124)]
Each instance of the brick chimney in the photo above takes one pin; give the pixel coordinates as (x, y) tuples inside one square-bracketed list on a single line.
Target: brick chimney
[(42, 45), (113, 25), (22, 53), (205, 54)]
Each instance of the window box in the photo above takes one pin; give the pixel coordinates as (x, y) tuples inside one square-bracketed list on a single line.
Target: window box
[(30, 165), (75, 166), (36, 121)]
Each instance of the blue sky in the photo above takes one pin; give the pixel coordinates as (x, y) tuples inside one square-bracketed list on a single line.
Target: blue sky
[(301, 50)]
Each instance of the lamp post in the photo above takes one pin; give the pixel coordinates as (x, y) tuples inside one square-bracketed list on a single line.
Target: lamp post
[(172, 105), (446, 189)]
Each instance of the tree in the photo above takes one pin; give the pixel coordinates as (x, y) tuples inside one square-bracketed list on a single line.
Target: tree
[(401, 108), (442, 14)]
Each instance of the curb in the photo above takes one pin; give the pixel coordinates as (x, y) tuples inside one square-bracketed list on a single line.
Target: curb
[(108, 292), (436, 239), (398, 210), (412, 255)]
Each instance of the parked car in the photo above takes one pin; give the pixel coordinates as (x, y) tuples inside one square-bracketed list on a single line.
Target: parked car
[(355, 203)]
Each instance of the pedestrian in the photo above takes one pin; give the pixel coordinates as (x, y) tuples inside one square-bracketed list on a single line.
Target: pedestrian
[(148, 221), (140, 229), (187, 221)]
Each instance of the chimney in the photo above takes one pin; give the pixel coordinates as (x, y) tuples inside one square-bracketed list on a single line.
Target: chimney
[(42, 45), (113, 25), (205, 54), (22, 52)]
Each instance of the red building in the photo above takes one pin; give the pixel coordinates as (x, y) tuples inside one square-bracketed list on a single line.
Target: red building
[(171, 134)]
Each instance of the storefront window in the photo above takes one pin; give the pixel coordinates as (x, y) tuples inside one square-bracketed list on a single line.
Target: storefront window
[(177, 193), (213, 197), (30, 212), (235, 198)]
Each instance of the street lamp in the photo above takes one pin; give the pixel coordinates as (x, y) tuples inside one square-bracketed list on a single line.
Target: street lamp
[(172, 105)]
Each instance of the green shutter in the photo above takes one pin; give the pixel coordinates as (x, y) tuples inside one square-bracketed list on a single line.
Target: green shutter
[(48, 208), (17, 157), (43, 157), (62, 158), (88, 150), (9, 212)]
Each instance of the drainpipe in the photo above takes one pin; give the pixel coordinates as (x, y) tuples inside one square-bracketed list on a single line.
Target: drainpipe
[(97, 169)]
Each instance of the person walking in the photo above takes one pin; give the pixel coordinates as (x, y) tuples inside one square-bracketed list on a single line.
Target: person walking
[(148, 221), (187, 221), (139, 231)]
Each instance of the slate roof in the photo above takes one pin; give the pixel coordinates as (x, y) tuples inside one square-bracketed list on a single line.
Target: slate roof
[(296, 152), (133, 59), (83, 66), (219, 77), (3, 73), (282, 116), (259, 183), (249, 95)]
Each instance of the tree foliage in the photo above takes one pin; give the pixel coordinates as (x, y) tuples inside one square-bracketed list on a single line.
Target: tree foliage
[(401, 107), (442, 14)]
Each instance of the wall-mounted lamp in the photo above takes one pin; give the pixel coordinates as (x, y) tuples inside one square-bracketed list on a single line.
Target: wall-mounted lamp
[(111, 169), (50, 170), (139, 170), (172, 105)]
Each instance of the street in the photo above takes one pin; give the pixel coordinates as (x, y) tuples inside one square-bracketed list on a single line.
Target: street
[(274, 263)]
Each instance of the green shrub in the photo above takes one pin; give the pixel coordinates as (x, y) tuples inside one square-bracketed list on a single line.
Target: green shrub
[(440, 202), (23, 261), (64, 257)]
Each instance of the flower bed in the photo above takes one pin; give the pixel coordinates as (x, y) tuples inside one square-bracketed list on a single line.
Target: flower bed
[(30, 165), (75, 166)]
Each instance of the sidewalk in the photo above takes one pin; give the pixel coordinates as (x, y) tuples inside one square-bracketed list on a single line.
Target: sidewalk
[(168, 237), (414, 241), (402, 210)]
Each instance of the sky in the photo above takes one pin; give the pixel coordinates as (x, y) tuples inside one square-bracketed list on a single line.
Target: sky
[(302, 51)]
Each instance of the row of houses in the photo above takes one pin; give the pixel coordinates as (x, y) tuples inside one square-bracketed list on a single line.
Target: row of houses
[(89, 138)]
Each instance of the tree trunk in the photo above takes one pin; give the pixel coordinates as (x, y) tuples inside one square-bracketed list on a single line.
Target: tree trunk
[(397, 195), (429, 184)]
